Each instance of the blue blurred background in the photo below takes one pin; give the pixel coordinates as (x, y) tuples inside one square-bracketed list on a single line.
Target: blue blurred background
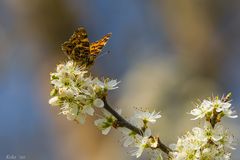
[(166, 54)]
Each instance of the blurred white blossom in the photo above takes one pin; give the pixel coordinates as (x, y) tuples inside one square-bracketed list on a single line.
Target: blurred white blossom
[(107, 122), (129, 136), (156, 155)]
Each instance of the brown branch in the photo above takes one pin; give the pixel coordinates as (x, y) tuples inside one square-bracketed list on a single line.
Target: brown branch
[(124, 123), (120, 120), (163, 147)]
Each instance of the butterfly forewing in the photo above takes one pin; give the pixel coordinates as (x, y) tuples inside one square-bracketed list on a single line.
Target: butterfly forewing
[(96, 47)]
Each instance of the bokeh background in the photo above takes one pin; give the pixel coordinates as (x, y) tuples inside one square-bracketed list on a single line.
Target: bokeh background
[(166, 54)]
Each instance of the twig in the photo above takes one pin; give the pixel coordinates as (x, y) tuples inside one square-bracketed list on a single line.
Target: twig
[(121, 121), (124, 123)]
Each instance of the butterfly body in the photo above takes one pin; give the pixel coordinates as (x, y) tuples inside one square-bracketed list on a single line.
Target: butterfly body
[(79, 49)]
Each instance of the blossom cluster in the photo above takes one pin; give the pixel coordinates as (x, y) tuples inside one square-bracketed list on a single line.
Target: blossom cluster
[(215, 107), (139, 143), (210, 142), (203, 144), (76, 92)]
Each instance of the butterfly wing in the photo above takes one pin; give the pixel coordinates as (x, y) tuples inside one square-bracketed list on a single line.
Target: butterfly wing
[(96, 47), (77, 47)]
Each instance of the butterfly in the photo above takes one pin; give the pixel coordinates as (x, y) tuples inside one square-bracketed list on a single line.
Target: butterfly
[(79, 49)]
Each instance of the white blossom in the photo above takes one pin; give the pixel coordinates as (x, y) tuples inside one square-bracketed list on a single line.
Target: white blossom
[(76, 92), (129, 136), (141, 144), (208, 108), (145, 141), (103, 125), (202, 110), (107, 122), (107, 84), (147, 116)]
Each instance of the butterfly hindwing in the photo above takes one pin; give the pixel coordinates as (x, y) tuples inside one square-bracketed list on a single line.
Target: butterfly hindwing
[(84, 42), (77, 47)]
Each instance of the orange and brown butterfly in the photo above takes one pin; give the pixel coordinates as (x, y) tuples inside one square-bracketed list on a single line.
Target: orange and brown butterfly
[(79, 49)]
